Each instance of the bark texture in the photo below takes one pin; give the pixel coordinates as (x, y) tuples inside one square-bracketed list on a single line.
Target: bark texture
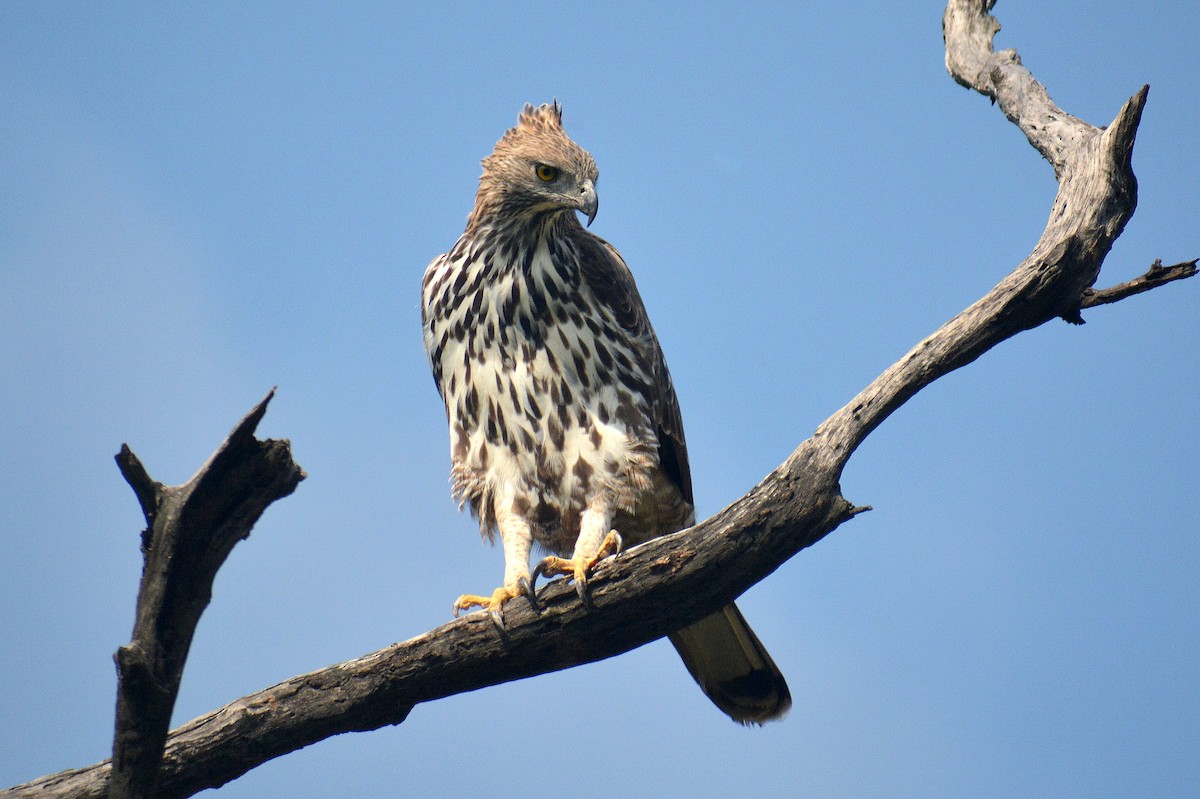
[(190, 530)]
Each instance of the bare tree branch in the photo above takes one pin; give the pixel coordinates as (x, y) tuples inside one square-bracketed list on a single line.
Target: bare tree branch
[(1157, 275), (190, 530), (639, 596), (675, 580), (968, 29)]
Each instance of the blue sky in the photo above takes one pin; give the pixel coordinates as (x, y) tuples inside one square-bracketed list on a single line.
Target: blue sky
[(202, 202)]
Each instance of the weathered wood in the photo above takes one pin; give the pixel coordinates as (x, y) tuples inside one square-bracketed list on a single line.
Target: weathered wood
[(1157, 275), (639, 596), (190, 530)]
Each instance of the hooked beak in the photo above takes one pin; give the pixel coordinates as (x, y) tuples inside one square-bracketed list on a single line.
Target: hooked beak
[(589, 203)]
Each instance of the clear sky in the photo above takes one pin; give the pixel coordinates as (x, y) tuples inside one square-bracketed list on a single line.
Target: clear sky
[(200, 202)]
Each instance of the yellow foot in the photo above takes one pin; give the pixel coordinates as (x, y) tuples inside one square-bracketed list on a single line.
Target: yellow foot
[(495, 602), (579, 568)]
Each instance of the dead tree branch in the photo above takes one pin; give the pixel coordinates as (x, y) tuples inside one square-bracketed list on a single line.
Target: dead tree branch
[(675, 580), (1157, 275), (190, 530)]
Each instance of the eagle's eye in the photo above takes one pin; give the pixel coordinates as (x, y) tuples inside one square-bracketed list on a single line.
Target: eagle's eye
[(545, 173)]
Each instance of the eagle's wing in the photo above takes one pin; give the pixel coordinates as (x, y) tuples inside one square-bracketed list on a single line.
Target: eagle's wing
[(612, 283), (721, 651)]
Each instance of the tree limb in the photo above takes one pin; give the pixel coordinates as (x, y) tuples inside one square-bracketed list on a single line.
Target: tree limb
[(675, 580), (190, 530), (1157, 275)]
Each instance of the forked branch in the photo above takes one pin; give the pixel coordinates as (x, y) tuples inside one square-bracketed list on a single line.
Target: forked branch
[(190, 530)]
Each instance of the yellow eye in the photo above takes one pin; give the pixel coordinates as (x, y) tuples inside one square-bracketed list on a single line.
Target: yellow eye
[(545, 173)]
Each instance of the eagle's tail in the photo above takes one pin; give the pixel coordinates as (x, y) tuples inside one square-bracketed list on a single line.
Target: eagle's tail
[(733, 668)]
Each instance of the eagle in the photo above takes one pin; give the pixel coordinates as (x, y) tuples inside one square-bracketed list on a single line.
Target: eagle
[(565, 429)]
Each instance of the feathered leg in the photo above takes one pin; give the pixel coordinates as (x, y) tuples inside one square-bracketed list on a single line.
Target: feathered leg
[(517, 540)]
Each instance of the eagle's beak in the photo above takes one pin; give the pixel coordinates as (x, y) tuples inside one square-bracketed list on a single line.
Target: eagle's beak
[(589, 203)]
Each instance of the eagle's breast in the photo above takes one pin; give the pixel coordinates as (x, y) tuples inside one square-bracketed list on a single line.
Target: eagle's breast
[(545, 396)]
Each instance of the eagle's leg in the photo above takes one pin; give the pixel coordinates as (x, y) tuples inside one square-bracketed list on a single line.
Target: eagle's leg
[(592, 546), (517, 540)]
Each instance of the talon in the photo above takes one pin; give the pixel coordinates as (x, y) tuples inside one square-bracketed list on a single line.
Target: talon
[(579, 568), (611, 545), (468, 601), (527, 591), (581, 589), (552, 566), (495, 603)]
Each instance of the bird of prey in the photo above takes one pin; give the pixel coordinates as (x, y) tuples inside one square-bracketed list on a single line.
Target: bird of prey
[(564, 426)]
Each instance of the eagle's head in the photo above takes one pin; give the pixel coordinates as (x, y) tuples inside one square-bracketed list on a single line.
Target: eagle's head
[(536, 168)]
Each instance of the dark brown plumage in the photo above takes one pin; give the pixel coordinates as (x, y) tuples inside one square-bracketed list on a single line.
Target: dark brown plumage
[(564, 424)]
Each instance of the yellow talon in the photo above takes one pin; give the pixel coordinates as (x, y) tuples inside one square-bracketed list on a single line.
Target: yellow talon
[(495, 602), (611, 545), (580, 568)]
